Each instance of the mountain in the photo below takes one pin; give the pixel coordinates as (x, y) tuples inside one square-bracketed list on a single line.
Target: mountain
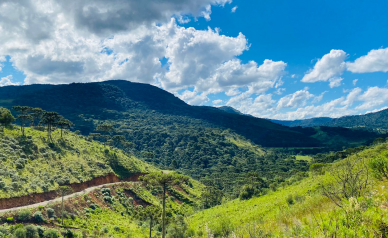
[(230, 110), (203, 142), (318, 121), (376, 121)]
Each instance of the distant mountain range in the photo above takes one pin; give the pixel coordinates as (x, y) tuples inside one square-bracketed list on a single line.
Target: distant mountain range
[(84, 103), (377, 121)]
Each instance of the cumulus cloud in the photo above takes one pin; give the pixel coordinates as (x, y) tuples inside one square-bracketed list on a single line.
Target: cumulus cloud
[(373, 97), (330, 66), (355, 82), (297, 99), (234, 9), (374, 61), (217, 102), (7, 81), (335, 82), (107, 17), (352, 97), (193, 97)]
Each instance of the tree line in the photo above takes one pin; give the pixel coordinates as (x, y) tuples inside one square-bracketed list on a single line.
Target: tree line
[(30, 116)]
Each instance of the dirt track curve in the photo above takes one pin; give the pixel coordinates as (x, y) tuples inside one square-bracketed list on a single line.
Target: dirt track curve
[(58, 199), (41, 199)]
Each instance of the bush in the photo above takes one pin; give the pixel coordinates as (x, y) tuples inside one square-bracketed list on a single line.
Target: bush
[(31, 232), (290, 200), (20, 233), (9, 219), (105, 229), (317, 168), (50, 212), (24, 215), (38, 217), (50, 234), (379, 167), (247, 192), (40, 231), (69, 234)]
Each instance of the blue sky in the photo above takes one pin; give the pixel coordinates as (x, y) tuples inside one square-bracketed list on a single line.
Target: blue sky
[(274, 59)]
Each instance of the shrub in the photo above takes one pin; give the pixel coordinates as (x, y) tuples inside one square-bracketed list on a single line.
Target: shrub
[(9, 219), (20, 233), (31, 232), (40, 231), (50, 234), (24, 215), (317, 168), (379, 167), (38, 217), (247, 192), (105, 229), (50, 212), (116, 228), (69, 234), (290, 200)]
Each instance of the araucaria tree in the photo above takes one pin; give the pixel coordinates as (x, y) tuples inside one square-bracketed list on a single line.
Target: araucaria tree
[(36, 114), (23, 117), (50, 119), (6, 117), (153, 212), (64, 124), (163, 180)]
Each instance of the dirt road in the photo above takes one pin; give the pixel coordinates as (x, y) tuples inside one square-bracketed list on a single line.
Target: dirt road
[(58, 199)]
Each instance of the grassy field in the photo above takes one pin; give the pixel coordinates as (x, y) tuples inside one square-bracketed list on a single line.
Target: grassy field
[(301, 210)]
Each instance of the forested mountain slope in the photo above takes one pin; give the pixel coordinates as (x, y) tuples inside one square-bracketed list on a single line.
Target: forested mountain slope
[(203, 142), (377, 121)]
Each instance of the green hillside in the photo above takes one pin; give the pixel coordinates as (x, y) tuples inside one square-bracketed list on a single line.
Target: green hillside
[(33, 164), (166, 132), (302, 210)]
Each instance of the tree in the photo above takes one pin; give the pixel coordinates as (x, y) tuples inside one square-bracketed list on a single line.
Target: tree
[(105, 128), (163, 180), (23, 117), (6, 117), (64, 124), (50, 119), (351, 180), (36, 114), (153, 212)]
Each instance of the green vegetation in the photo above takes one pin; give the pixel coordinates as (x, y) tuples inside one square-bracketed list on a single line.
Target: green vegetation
[(253, 178), (342, 201), (33, 164), (203, 142)]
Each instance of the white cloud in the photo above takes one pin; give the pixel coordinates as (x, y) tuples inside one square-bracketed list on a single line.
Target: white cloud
[(335, 82), (193, 97), (331, 66), (319, 98), (232, 92), (234, 9), (374, 61), (297, 99), (352, 97), (355, 82), (373, 98), (217, 102), (7, 81)]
